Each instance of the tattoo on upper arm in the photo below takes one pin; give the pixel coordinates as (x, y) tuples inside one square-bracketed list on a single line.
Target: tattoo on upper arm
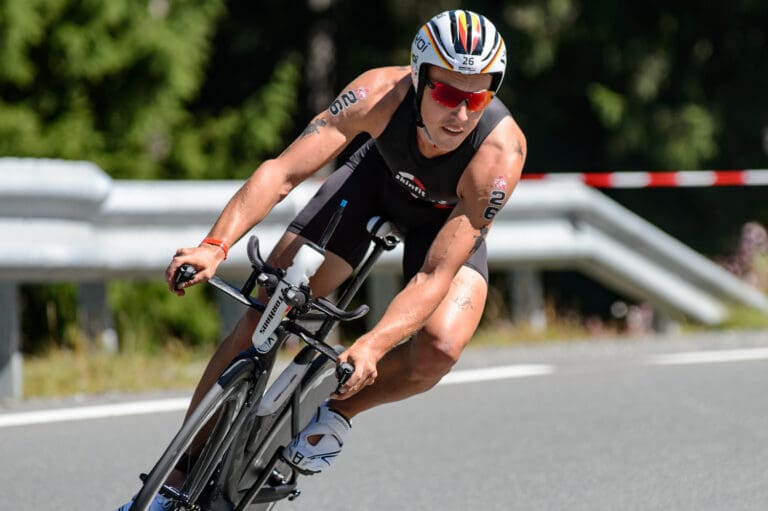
[(313, 127), (479, 239), (463, 302)]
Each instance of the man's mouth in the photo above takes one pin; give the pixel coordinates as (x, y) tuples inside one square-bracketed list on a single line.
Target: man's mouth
[(453, 131)]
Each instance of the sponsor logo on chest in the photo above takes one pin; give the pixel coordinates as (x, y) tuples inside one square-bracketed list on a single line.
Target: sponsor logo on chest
[(412, 184)]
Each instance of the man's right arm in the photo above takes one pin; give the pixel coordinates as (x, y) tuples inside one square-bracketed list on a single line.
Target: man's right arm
[(322, 140), (267, 186)]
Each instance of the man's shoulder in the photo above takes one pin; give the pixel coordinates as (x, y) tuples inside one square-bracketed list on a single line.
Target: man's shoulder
[(389, 76), (382, 90), (501, 125), (386, 83)]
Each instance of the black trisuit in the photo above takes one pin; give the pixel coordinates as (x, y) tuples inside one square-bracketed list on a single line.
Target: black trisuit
[(388, 177)]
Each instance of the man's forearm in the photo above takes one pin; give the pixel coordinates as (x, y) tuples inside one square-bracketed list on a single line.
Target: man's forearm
[(251, 203), (407, 313)]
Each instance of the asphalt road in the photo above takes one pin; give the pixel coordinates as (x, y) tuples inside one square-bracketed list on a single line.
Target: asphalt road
[(633, 425)]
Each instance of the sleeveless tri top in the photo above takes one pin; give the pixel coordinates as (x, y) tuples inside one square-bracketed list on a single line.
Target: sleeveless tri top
[(431, 179)]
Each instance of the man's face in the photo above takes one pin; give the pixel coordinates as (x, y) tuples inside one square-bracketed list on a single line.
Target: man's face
[(449, 126)]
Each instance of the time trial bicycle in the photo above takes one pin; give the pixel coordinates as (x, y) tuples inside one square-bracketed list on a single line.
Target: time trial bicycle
[(230, 446)]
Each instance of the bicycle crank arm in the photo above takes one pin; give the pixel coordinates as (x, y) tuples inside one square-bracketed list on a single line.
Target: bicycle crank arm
[(168, 491), (262, 492)]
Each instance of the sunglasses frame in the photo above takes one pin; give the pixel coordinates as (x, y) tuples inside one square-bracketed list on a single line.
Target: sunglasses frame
[(482, 98)]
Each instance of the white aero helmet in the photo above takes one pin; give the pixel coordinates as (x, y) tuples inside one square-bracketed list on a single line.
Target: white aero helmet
[(460, 41)]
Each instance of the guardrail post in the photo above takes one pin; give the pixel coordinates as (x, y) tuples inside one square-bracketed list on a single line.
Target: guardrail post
[(663, 323), (10, 357), (526, 298), (94, 316)]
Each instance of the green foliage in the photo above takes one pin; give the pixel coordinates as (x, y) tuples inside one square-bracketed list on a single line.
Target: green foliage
[(545, 23), (656, 79), (148, 316), (607, 104), (230, 144), (101, 81), (686, 135), (48, 316), (121, 83), (206, 89)]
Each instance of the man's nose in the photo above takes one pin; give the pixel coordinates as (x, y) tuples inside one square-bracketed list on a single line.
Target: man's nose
[(462, 111)]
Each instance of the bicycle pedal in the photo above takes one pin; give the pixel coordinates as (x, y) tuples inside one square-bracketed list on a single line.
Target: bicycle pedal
[(279, 477), (271, 493)]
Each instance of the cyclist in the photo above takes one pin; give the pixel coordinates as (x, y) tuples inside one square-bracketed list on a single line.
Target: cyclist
[(443, 157)]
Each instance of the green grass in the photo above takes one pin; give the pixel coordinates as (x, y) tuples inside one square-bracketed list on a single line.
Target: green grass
[(81, 371), (176, 366), (747, 318), (65, 373)]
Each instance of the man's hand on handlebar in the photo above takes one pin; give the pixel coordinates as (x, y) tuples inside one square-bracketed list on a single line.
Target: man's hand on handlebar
[(364, 361), (205, 259)]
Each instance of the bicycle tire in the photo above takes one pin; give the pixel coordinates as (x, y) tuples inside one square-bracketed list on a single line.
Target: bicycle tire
[(226, 400)]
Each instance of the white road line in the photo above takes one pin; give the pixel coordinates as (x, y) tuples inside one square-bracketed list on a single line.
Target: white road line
[(709, 357), (172, 405), (456, 377), (93, 412), (495, 373)]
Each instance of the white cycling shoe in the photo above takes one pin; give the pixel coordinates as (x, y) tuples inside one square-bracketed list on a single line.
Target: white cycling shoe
[(326, 432)]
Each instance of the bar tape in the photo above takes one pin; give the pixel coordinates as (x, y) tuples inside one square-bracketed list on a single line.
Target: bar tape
[(667, 179)]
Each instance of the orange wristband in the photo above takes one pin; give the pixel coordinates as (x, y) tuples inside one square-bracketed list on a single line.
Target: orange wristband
[(218, 243)]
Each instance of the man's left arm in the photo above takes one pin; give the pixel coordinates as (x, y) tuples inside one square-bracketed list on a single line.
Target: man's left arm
[(483, 190)]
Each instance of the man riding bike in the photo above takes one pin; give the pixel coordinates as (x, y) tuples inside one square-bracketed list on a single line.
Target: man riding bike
[(443, 157)]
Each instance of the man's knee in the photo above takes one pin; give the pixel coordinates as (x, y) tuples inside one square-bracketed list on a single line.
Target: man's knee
[(433, 357)]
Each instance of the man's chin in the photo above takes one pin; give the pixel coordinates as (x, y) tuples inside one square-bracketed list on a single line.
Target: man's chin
[(449, 145)]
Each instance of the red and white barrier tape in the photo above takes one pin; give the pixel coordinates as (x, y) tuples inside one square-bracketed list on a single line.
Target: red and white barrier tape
[(676, 179)]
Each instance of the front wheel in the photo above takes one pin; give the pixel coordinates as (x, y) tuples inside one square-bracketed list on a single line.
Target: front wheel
[(224, 404)]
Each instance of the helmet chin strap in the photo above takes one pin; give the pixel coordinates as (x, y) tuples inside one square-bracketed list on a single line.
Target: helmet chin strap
[(419, 119), (426, 133), (417, 106)]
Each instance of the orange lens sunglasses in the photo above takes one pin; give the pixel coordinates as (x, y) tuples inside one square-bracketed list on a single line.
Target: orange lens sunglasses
[(451, 97)]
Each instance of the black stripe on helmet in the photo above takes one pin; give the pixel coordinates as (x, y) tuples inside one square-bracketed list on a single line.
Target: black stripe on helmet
[(438, 39), (494, 46)]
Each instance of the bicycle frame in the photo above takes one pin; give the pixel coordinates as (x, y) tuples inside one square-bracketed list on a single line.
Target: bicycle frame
[(290, 295), (247, 471), (241, 425)]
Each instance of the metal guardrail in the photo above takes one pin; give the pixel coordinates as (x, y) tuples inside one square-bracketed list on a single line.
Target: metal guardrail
[(68, 221)]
